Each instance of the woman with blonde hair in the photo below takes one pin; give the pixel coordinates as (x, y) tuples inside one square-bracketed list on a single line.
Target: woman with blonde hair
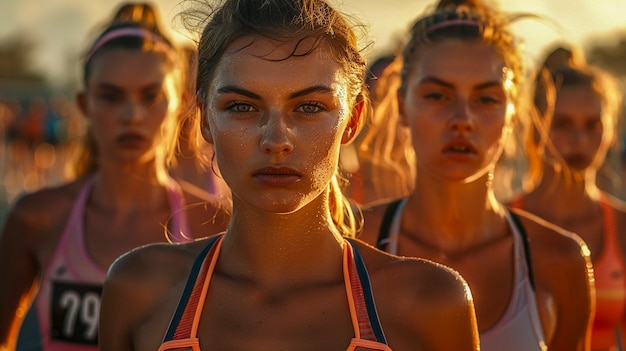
[(280, 89), (58, 243), (460, 98), (579, 108)]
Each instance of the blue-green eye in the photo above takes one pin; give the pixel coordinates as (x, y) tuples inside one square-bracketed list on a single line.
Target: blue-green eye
[(594, 125), (311, 108), (109, 97), (240, 107), (434, 96), (487, 100)]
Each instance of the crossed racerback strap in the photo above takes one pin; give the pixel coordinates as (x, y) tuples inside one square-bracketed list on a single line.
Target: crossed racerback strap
[(390, 212)]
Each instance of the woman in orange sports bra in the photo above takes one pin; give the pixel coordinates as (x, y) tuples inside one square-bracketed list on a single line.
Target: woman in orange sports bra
[(579, 119), (280, 88)]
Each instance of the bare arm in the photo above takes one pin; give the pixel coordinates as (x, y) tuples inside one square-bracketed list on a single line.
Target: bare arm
[(576, 302), (140, 295), (114, 331), (452, 313), (426, 306), (18, 281)]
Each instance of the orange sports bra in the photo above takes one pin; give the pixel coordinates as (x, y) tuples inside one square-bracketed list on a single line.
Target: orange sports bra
[(610, 275), (182, 332)]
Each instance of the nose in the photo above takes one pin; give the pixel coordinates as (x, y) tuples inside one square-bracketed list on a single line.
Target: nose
[(461, 120), (133, 112), (579, 136), (276, 134)]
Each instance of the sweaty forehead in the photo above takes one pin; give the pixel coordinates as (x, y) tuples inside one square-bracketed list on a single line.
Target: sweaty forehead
[(127, 67), (263, 64), (583, 99), (270, 49), (458, 58)]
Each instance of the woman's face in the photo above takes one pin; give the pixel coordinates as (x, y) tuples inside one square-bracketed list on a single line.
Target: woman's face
[(577, 128), (458, 109), (277, 123), (126, 102)]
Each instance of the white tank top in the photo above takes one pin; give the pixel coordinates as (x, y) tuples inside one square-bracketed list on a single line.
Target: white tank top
[(520, 328)]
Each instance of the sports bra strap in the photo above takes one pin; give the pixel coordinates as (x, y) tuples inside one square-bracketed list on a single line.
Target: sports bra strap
[(372, 322), (369, 326), (526, 243), (390, 212), (177, 329), (385, 226)]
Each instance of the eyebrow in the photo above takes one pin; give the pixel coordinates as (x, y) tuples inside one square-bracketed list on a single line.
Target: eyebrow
[(594, 117), (109, 86), (435, 80), (232, 89)]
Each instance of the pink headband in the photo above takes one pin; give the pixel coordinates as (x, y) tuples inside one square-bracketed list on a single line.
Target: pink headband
[(454, 22), (127, 32)]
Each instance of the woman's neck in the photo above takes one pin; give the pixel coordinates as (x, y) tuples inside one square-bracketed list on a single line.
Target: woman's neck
[(454, 216), (128, 188), (282, 249), (561, 195)]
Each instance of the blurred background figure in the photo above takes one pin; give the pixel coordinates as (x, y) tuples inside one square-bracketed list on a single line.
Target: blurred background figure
[(192, 153), (578, 108), (58, 242), (380, 161), (460, 97)]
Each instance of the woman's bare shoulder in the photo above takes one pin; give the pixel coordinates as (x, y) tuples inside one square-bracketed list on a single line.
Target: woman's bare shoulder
[(142, 290), (550, 238), (617, 204), (38, 213), (47, 201), (419, 279), (164, 262), (421, 298), (561, 260)]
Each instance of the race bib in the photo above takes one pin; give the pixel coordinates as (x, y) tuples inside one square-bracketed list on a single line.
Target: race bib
[(75, 312)]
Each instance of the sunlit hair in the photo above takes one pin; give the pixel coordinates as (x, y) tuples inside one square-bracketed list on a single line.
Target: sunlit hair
[(571, 71), (135, 27), (387, 145), (466, 20), (220, 23), (386, 156)]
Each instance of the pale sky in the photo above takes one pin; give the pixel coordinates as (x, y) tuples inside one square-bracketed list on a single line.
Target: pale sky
[(62, 27)]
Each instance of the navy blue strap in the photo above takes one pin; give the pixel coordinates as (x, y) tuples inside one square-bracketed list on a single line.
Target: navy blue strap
[(385, 226), (526, 243), (367, 295), (191, 281)]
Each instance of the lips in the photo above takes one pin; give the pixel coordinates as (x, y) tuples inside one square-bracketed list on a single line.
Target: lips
[(277, 175), (577, 161), (131, 140), (461, 147)]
